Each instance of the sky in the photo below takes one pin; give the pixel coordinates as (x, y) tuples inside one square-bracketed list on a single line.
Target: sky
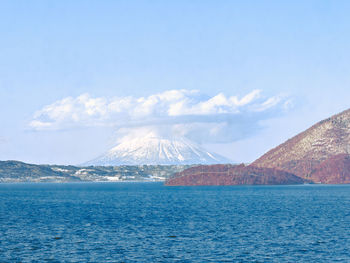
[(237, 77)]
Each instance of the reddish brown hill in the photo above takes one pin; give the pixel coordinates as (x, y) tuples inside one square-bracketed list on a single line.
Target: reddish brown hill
[(304, 152), (334, 170), (232, 175)]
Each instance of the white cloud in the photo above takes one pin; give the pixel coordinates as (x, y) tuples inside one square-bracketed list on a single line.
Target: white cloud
[(219, 118)]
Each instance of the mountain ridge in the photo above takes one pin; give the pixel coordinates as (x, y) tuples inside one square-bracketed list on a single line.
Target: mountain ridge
[(305, 151), (16, 171)]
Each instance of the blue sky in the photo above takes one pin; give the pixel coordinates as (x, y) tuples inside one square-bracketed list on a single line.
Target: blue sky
[(51, 50)]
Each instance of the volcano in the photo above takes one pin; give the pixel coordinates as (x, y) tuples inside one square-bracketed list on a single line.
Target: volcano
[(155, 150)]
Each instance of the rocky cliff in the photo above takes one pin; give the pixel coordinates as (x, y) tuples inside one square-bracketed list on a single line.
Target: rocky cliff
[(232, 175), (334, 170)]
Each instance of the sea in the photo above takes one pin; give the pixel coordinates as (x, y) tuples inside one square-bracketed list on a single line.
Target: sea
[(150, 222)]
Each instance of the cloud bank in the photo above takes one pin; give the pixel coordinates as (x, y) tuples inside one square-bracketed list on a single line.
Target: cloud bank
[(188, 113)]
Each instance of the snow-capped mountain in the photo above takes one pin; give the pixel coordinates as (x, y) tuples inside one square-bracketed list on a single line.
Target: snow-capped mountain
[(157, 150)]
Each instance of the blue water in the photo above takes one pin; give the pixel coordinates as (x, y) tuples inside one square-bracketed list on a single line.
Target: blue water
[(148, 222)]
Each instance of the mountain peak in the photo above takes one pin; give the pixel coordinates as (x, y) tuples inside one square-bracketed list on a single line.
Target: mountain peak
[(152, 150)]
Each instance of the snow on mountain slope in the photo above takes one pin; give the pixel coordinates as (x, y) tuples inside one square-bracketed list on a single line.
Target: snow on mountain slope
[(156, 150)]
